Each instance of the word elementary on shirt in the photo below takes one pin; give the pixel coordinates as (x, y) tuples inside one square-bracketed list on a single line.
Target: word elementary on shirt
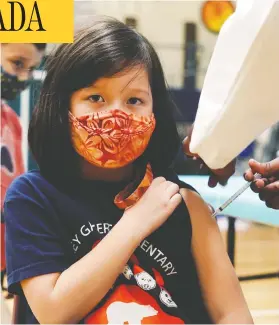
[(148, 248), (158, 256)]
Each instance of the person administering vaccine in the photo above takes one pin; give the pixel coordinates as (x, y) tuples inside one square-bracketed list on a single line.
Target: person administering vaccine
[(267, 187), (240, 87)]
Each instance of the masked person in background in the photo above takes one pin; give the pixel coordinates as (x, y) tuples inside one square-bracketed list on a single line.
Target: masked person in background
[(18, 62)]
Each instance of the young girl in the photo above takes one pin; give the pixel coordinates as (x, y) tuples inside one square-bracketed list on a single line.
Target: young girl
[(105, 232)]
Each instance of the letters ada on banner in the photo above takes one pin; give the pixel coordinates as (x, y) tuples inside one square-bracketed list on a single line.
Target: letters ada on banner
[(40, 21)]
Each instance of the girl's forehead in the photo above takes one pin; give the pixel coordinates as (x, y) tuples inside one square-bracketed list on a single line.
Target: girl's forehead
[(131, 77)]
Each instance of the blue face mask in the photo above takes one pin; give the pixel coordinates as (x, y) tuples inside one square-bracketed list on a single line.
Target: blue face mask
[(11, 86)]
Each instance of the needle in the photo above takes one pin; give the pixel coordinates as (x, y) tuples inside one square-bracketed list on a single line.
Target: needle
[(235, 195)]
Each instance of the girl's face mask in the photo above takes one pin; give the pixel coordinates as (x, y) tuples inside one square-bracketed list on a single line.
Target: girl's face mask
[(11, 86), (111, 139)]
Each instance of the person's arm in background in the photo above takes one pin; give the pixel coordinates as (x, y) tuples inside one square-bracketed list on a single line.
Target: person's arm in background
[(20, 168), (12, 165), (217, 175), (268, 185), (11, 138), (219, 284)]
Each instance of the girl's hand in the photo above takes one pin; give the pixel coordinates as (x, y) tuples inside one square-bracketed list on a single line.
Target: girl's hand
[(155, 206)]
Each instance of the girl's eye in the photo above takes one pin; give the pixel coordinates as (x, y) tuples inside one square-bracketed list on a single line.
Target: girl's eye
[(135, 101), (96, 99)]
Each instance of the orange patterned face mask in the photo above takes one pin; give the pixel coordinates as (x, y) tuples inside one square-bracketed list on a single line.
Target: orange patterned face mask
[(111, 139)]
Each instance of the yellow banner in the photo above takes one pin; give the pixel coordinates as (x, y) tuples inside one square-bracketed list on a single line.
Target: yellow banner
[(40, 21)]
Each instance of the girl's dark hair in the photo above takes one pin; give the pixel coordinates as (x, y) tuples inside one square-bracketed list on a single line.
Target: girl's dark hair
[(101, 50)]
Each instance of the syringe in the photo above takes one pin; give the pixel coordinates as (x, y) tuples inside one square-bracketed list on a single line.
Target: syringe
[(236, 195)]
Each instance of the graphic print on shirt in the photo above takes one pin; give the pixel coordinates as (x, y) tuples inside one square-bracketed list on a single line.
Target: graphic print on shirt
[(134, 306), (159, 256), (166, 299), (144, 280), (137, 297), (99, 229), (127, 272), (132, 312)]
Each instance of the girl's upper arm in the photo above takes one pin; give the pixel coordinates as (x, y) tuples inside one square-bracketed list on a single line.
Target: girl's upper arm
[(33, 243), (37, 291), (35, 253), (220, 286)]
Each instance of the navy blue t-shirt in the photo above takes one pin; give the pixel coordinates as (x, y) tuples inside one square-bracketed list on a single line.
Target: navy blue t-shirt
[(47, 230)]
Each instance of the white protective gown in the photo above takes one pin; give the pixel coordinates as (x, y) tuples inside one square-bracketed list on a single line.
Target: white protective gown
[(240, 96)]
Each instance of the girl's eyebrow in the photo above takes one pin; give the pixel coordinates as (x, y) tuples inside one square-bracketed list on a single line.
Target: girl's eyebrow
[(140, 90), (91, 87)]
